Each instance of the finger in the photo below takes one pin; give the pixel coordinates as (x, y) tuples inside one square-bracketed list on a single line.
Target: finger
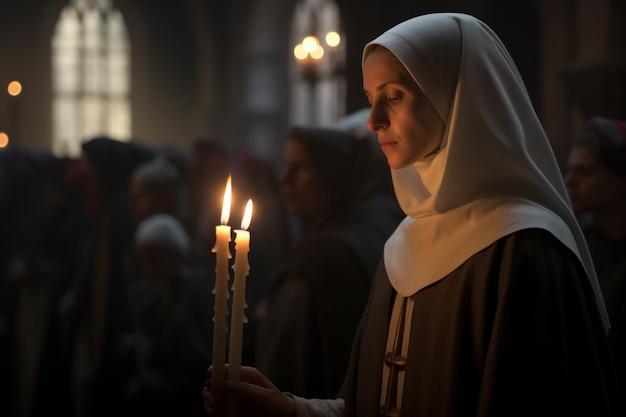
[(207, 398)]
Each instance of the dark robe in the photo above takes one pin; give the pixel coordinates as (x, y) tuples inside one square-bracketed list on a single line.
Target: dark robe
[(514, 331), (609, 258), (175, 345), (315, 304)]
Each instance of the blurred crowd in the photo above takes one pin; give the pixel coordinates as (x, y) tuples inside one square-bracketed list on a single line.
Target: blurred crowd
[(107, 269)]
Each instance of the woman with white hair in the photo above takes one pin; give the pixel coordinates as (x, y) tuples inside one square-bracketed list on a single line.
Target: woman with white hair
[(172, 309)]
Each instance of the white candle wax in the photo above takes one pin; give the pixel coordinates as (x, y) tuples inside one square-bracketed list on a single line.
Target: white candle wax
[(222, 275), (238, 318)]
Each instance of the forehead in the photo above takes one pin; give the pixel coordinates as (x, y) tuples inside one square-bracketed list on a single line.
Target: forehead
[(382, 67)]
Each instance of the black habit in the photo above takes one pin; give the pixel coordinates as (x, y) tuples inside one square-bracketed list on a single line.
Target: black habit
[(514, 331)]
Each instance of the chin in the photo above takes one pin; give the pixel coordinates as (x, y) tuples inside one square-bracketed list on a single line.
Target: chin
[(395, 164), (392, 162)]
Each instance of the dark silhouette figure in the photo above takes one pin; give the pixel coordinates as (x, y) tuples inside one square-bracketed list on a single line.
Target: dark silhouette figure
[(97, 302)]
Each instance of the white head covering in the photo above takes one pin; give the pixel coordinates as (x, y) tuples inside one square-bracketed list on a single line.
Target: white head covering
[(495, 172), (165, 231)]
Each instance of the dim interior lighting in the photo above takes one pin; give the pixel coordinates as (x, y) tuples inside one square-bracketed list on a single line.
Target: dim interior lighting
[(247, 216), (333, 39), (14, 88), (228, 196), (299, 52), (317, 53), (310, 46), (310, 43), (4, 140)]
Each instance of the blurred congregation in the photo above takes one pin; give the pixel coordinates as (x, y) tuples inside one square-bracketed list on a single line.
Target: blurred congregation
[(108, 270), (70, 274), (107, 266)]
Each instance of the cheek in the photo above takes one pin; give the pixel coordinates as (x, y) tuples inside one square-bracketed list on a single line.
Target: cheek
[(422, 140), (312, 193), (432, 128), (422, 129), (297, 190), (428, 122)]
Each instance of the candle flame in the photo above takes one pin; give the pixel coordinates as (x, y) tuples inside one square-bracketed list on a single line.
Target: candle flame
[(227, 199), (247, 216)]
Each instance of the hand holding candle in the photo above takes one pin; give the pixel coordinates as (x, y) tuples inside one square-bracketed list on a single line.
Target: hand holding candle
[(221, 248), (238, 318)]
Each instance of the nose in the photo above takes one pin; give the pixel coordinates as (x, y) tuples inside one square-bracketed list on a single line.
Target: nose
[(378, 119)]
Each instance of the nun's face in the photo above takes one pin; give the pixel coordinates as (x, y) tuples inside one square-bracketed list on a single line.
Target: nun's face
[(407, 125)]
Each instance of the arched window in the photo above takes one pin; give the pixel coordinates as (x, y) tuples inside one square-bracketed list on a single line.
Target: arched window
[(319, 89), (90, 76)]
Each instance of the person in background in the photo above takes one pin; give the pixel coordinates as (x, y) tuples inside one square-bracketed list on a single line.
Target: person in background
[(96, 303), (255, 177), (486, 302), (18, 207), (172, 309), (319, 289), (157, 186), (377, 193), (596, 183), (206, 173), (42, 271)]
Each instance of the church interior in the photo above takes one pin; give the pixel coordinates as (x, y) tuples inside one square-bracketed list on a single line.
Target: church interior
[(205, 79), (227, 70)]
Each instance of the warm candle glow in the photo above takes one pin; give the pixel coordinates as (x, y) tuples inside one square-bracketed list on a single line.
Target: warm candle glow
[(227, 200), (310, 43), (333, 39), (247, 216), (317, 53), (14, 88), (300, 52), (4, 140), (310, 47)]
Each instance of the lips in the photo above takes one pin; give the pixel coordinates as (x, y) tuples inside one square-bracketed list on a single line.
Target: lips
[(384, 145)]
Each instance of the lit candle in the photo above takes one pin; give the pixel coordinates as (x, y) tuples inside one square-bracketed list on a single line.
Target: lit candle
[(238, 318), (222, 251)]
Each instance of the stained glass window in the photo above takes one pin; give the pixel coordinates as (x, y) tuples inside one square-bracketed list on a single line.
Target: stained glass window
[(90, 76)]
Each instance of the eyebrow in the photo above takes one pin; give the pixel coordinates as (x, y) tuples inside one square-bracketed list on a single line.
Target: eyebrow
[(383, 85)]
